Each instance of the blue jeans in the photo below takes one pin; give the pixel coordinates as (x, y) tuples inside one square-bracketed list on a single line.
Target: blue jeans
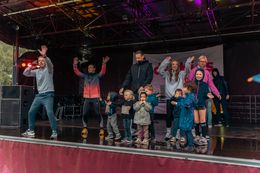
[(127, 122), (175, 127), (46, 100), (209, 112), (188, 135)]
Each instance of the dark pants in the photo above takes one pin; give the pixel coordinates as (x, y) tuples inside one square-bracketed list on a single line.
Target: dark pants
[(151, 126), (46, 100), (127, 122), (188, 135), (175, 126), (224, 104), (86, 107), (169, 115)]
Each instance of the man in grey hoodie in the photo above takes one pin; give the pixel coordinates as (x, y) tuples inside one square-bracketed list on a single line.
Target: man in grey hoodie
[(43, 71)]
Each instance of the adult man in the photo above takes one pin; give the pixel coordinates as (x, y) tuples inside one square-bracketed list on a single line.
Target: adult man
[(44, 78), (139, 75)]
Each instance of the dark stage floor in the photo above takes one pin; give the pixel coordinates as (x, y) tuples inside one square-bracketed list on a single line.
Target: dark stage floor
[(235, 141)]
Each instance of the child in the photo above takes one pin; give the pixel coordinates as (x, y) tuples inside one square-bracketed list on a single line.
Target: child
[(142, 118), (176, 113), (153, 100), (200, 110), (127, 114), (111, 116), (186, 116)]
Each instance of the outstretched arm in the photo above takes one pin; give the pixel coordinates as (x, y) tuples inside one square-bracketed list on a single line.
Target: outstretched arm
[(163, 66), (29, 72), (43, 52), (75, 67), (104, 66), (188, 65)]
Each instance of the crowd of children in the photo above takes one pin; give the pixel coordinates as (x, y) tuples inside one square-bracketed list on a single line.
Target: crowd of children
[(187, 102)]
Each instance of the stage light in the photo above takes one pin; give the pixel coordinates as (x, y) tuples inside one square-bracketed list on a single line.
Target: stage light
[(23, 64), (29, 64), (198, 2)]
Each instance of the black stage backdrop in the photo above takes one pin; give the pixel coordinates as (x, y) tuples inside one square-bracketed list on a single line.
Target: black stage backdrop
[(241, 60)]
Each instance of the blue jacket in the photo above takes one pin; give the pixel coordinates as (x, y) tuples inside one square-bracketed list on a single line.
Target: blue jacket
[(202, 91), (176, 109), (153, 100), (187, 107), (256, 78)]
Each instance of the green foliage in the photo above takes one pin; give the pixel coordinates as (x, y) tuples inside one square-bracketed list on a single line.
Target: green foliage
[(6, 63)]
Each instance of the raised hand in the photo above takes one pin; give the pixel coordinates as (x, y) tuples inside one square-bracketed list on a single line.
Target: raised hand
[(43, 50), (192, 58), (105, 59), (168, 58)]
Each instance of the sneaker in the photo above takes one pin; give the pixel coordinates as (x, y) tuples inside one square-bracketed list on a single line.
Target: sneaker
[(145, 142), (54, 134), (209, 126), (109, 137), (203, 141), (118, 137), (138, 141), (173, 140), (196, 140), (168, 134), (207, 137), (29, 134), (129, 141), (227, 125), (218, 125), (84, 133)]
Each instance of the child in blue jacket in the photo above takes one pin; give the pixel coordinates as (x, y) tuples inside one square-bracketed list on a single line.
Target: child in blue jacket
[(187, 106)]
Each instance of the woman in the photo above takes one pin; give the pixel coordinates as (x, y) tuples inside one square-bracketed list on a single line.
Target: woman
[(169, 69)]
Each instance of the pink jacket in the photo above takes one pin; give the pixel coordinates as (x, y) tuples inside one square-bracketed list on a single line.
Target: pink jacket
[(207, 78)]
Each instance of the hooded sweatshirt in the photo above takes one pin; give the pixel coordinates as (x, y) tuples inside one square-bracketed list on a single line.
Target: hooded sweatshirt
[(202, 90), (220, 83), (207, 79)]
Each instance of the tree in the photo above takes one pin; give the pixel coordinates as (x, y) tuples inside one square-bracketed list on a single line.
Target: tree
[(6, 63)]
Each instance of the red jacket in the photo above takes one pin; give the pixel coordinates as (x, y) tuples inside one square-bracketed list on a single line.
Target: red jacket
[(91, 82)]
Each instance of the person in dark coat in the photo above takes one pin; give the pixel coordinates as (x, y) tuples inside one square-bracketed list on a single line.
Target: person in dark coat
[(139, 75), (222, 86)]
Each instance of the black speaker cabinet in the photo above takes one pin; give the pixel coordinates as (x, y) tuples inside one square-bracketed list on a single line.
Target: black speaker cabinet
[(15, 102)]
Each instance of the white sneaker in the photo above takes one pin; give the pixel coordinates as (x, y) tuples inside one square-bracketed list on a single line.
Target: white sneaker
[(29, 134), (54, 134), (203, 141), (209, 126), (196, 140), (168, 134), (118, 137)]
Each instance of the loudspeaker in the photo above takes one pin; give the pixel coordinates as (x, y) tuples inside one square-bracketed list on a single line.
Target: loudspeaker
[(15, 102)]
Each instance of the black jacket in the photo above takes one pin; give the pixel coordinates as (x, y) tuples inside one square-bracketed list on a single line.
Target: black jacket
[(220, 83), (202, 90), (140, 74)]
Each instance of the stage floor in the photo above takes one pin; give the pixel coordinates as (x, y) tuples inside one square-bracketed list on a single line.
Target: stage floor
[(235, 141)]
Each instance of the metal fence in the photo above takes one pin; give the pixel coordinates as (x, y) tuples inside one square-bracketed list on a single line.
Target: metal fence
[(245, 108)]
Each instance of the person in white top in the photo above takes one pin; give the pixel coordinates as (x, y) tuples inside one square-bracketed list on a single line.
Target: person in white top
[(169, 69)]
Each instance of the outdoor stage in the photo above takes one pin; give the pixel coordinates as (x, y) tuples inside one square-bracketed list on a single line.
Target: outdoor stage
[(232, 149)]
